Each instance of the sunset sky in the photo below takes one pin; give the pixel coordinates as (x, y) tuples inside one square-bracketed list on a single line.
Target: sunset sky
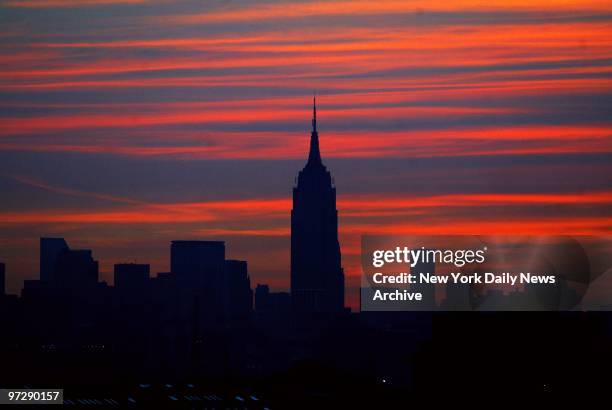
[(125, 124)]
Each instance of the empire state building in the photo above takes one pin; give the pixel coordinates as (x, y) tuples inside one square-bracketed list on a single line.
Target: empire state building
[(317, 277)]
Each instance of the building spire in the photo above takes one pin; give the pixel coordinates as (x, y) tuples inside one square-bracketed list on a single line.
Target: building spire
[(314, 113), (314, 156)]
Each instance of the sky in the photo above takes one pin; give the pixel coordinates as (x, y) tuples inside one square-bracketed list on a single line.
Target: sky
[(125, 124)]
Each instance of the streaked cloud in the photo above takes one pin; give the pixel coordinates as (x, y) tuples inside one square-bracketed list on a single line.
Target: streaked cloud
[(125, 124)]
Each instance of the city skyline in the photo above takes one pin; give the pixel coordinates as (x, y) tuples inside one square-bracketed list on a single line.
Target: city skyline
[(304, 203), (316, 276), (128, 124)]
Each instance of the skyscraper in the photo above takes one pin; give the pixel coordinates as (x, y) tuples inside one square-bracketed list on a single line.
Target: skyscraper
[(199, 267), (238, 293), (198, 263), (317, 278), (50, 248), (75, 269)]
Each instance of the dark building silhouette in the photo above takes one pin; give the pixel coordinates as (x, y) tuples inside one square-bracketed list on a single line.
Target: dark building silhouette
[(63, 268), (239, 296), (317, 278), (75, 269), (272, 309), (266, 301), (131, 276), (34, 289), (50, 248), (199, 267), (261, 297), (198, 262), (2, 279)]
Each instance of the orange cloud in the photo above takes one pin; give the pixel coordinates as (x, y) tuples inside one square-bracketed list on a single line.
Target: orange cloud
[(363, 7), (264, 208), (529, 139), (62, 122)]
